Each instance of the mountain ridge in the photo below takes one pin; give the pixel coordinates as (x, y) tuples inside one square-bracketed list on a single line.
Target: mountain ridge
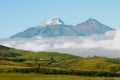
[(55, 27)]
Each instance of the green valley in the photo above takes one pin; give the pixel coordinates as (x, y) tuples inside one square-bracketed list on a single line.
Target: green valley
[(40, 64)]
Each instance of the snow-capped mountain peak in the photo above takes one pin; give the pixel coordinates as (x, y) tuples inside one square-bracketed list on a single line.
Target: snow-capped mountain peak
[(53, 21), (56, 28)]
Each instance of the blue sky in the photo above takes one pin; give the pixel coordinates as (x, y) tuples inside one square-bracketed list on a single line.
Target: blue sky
[(18, 15)]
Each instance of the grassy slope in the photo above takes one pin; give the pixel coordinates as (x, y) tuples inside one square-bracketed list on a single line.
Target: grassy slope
[(10, 64), (47, 55), (20, 76), (92, 63), (11, 53), (33, 55), (65, 61)]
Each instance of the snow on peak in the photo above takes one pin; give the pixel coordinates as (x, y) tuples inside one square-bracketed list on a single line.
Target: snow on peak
[(53, 21)]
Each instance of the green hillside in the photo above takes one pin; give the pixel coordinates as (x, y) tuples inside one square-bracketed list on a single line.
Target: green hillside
[(14, 53), (10, 55), (89, 64), (12, 58), (46, 55), (10, 52), (4, 48)]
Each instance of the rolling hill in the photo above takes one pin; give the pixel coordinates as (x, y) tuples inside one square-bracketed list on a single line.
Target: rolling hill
[(15, 53), (14, 58)]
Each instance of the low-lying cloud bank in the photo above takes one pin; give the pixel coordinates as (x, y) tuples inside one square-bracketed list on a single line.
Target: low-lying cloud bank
[(107, 44)]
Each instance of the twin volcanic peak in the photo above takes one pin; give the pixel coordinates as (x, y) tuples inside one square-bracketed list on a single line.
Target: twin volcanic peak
[(55, 27)]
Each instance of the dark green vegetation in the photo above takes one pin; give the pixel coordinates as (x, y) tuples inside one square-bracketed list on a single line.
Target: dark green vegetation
[(13, 60)]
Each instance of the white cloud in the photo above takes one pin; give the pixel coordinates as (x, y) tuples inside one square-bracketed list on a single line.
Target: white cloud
[(102, 45)]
